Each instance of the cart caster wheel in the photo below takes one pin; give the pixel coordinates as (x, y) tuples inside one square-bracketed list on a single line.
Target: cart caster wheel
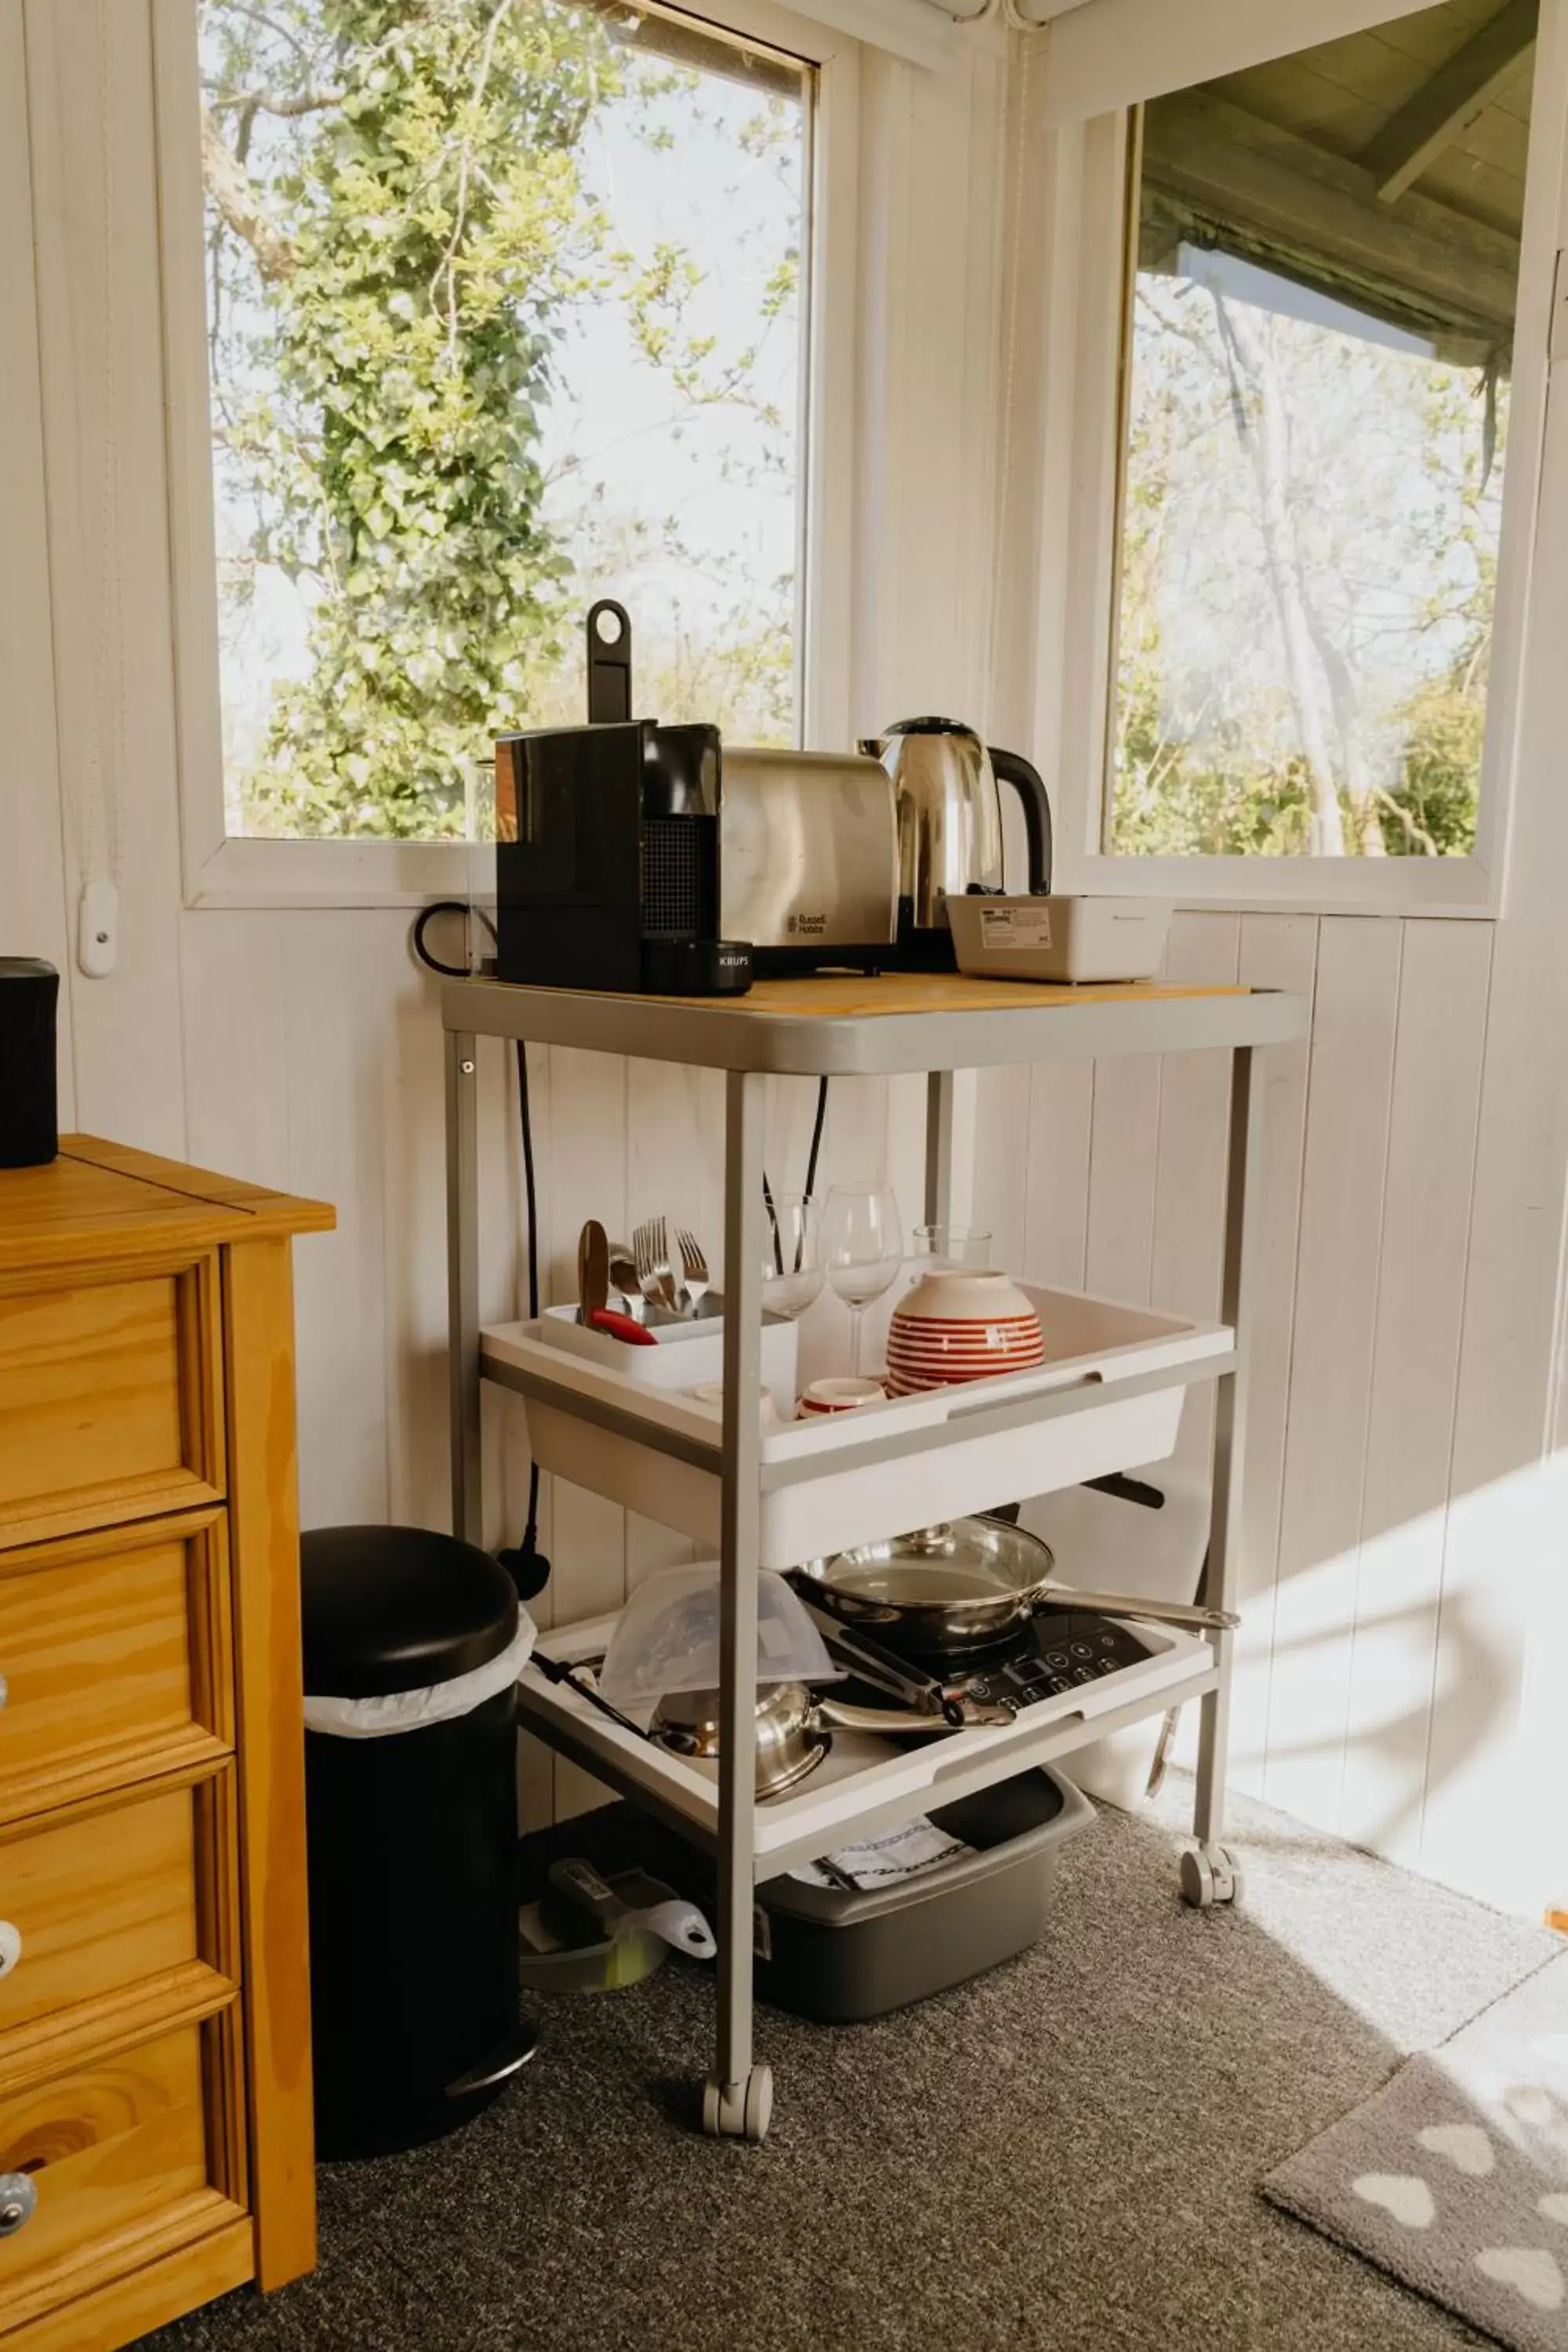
[(1210, 1876), (739, 2110)]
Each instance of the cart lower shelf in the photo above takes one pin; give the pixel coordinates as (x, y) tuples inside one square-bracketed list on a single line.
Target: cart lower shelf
[(868, 1783)]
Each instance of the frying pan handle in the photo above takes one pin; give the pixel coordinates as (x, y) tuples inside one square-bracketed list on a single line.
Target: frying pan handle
[(838, 1714), (1027, 784)]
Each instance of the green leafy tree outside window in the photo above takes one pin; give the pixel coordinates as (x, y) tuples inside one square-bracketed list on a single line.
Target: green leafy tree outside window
[(399, 225)]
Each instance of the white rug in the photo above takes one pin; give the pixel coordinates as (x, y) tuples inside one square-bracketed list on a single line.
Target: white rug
[(1454, 2177)]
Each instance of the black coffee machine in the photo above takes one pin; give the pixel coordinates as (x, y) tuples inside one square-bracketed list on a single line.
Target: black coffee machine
[(607, 845)]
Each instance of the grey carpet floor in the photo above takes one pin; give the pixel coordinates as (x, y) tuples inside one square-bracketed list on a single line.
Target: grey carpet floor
[(1063, 2157)]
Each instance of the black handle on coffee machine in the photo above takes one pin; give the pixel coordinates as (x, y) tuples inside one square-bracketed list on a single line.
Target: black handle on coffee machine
[(609, 633), (1027, 784)]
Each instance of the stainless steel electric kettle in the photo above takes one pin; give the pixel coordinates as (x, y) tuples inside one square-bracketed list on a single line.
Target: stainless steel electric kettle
[(949, 827)]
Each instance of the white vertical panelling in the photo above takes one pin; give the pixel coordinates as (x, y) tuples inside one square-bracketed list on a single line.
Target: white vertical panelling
[(301, 1047), (1190, 1166), (1189, 1235), (1124, 1147), (414, 1187), (235, 1019), (1277, 952), (337, 979), (1505, 1544), (1004, 1167), (1415, 1360), (32, 895), (1056, 1214), (126, 1027), (1331, 1374), (886, 166)]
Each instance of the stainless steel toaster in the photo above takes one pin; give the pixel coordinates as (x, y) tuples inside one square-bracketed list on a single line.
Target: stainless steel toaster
[(808, 858)]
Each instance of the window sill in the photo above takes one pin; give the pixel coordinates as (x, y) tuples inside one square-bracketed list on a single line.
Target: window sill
[(334, 873), (1447, 890)]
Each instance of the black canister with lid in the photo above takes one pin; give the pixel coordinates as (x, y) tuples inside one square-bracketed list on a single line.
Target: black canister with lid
[(30, 1134)]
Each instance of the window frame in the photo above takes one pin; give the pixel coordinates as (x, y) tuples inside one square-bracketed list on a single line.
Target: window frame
[(222, 869), (1105, 62)]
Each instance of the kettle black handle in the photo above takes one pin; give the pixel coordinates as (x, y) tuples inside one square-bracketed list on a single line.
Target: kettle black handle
[(1027, 784)]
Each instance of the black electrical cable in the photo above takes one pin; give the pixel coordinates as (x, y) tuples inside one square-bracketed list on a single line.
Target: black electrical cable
[(422, 922), (524, 1564), (816, 1138), (810, 1183)]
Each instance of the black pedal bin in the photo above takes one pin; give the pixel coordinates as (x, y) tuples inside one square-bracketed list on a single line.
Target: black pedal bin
[(413, 1842)]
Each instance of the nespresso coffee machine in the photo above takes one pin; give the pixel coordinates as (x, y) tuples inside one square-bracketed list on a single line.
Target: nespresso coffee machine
[(607, 845)]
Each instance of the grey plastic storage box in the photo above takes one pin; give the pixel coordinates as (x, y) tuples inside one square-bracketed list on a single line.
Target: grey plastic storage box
[(842, 1957)]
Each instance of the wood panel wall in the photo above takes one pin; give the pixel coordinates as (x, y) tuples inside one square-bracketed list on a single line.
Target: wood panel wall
[(1372, 1677), (1399, 1680)]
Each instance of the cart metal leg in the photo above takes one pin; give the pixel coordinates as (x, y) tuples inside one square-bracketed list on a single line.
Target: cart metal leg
[(737, 2099), (463, 1284), (1209, 1871)]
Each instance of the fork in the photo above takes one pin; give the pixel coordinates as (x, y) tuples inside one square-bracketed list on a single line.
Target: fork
[(650, 1250), (694, 1267)]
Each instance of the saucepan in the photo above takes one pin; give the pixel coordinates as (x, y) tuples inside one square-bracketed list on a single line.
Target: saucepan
[(946, 1591), (793, 1728)]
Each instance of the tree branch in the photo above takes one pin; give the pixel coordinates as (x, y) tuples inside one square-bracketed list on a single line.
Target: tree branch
[(266, 101), (238, 201), (1413, 832), (271, 24)]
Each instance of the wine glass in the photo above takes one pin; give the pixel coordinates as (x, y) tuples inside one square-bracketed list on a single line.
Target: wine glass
[(862, 1249), (792, 1253)]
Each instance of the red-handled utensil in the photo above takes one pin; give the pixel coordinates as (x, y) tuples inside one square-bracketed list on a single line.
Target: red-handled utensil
[(622, 1326)]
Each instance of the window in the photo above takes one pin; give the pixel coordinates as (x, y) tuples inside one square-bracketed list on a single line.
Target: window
[(1325, 251), (504, 310)]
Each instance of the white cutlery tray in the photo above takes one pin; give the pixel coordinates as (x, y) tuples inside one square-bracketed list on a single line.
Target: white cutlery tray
[(817, 1496), (686, 1356)]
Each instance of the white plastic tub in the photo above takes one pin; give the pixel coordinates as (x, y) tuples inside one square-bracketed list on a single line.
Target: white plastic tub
[(1060, 938), (1100, 1401)]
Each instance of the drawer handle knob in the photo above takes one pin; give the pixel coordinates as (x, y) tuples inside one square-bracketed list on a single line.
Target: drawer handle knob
[(18, 2202), (5, 1690), (10, 1946)]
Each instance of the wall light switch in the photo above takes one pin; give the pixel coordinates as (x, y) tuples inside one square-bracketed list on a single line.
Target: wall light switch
[(97, 929)]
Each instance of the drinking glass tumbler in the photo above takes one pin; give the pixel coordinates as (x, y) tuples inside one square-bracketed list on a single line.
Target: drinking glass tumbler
[(792, 1253)]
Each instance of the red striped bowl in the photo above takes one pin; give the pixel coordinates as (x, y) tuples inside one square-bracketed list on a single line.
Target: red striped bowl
[(958, 1324)]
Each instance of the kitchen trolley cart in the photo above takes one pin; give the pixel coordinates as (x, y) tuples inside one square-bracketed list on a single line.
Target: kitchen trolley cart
[(754, 1488)]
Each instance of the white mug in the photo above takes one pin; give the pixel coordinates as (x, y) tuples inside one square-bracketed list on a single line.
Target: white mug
[(839, 1396), (712, 1393)]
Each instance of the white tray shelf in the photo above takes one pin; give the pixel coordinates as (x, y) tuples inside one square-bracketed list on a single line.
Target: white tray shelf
[(867, 1782), (1109, 1395)]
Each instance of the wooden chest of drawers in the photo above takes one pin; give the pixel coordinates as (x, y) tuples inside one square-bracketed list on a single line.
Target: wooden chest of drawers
[(154, 2029)]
